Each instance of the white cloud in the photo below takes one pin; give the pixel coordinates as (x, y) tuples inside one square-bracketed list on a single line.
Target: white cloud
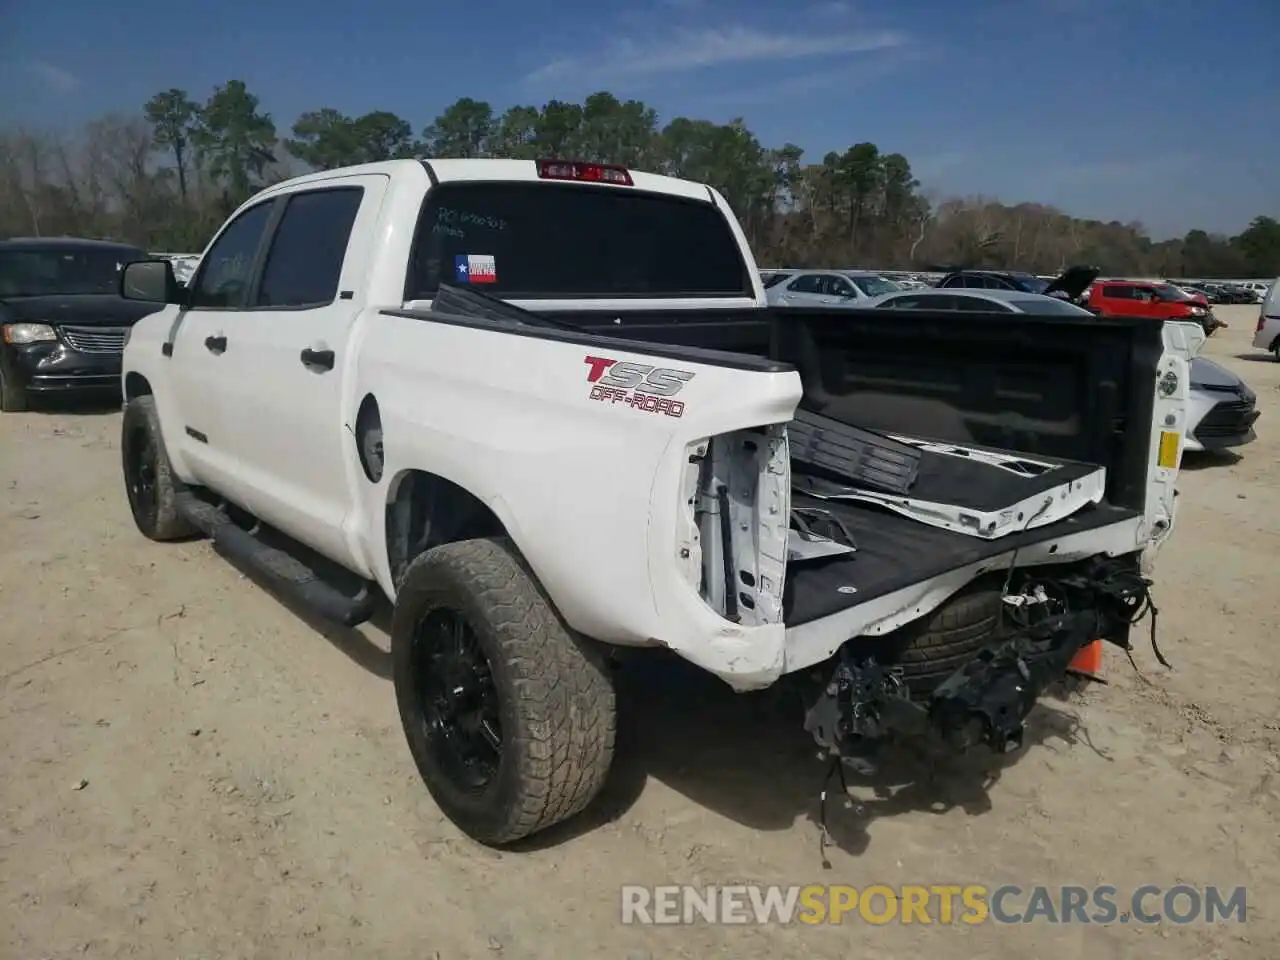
[(843, 80), (53, 77), (688, 50)]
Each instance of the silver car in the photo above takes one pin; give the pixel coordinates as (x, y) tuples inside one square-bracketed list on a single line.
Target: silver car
[(816, 288)]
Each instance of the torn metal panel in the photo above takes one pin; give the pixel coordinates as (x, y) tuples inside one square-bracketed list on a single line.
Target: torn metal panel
[(744, 506), (1039, 509)]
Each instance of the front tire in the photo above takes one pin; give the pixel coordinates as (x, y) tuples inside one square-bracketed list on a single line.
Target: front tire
[(510, 716), (149, 482)]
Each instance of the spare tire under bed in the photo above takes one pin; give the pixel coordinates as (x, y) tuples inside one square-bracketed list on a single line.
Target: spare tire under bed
[(930, 649), (894, 552)]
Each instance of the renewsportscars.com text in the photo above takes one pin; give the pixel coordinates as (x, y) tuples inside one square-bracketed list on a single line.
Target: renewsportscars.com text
[(931, 904)]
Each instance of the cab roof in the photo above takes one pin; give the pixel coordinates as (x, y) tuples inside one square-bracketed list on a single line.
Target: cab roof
[(507, 171)]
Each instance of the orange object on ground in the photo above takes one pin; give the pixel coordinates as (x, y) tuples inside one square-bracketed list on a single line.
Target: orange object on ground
[(1088, 659)]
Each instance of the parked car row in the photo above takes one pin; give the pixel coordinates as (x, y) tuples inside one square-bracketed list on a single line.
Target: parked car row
[(1223, 409), (1233, 293)]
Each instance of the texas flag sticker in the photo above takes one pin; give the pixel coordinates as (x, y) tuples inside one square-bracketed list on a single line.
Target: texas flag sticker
[(474, 268)]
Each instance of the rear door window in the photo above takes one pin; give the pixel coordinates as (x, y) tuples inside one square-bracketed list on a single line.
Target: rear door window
[(569, 241), (1117, 291), (839, 287), (305, 262), (806, 283)]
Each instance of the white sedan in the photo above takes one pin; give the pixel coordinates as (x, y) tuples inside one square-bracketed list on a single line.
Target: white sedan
[(1222, 411)]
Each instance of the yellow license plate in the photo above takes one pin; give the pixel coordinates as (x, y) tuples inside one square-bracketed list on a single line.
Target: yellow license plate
[(1168, 457)]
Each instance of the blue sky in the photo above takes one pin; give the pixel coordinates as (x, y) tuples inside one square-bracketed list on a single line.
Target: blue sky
[(1162, 111)]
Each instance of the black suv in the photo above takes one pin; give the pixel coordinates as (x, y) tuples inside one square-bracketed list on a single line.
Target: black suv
[(62, 319), (1071, 285)]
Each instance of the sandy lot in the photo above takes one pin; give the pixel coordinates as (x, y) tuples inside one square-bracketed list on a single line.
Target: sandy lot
[(189, 769)]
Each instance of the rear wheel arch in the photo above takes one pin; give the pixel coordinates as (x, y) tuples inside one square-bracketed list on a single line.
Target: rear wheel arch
[(425, 510)]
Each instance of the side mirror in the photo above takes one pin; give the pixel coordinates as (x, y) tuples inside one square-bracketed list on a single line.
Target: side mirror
[(152, 281)]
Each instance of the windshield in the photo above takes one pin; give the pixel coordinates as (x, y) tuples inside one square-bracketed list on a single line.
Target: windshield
[(1169, 293), (1049, 306), (874, 286), (35, 272), (568, 241)]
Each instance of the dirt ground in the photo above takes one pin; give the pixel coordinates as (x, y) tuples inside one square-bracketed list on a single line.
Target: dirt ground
[(190, 769)]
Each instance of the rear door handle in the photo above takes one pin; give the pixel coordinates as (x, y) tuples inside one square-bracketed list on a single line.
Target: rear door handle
[(216, 344), (317, 359)]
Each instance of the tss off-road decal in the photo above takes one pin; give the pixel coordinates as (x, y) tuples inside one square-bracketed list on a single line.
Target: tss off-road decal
[(641, 386)]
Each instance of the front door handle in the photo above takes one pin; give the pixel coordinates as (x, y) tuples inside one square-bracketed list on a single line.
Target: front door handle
[(216, 344), (317, 359)]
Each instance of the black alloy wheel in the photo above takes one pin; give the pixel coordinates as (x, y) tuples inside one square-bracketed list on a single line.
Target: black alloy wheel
[(458, 699)]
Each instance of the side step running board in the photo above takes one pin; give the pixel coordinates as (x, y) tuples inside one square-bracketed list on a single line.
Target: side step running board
[(286, 573), (857, 456)]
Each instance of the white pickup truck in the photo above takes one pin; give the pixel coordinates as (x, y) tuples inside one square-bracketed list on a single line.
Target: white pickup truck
[(543, 408)]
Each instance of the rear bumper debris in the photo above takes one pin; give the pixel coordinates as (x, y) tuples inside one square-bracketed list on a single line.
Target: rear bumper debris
[(865, 704)]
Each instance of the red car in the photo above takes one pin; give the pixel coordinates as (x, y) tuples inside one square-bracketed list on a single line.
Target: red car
[(1159, 301)]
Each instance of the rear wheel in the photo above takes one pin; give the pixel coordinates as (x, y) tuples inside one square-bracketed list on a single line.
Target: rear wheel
[(149, 482), (510, 716)]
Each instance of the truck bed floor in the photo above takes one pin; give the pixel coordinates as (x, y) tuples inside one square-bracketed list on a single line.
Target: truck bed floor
[(896, 551)]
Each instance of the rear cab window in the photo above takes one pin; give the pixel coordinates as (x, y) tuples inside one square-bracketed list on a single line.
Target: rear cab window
[(568, 241)]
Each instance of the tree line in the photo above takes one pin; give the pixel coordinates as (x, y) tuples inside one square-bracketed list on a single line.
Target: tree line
[(167, 176)]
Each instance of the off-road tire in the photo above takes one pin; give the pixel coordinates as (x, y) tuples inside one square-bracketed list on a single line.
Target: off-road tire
[(164, 523), (13, 399), (555, 695), (940, 643)]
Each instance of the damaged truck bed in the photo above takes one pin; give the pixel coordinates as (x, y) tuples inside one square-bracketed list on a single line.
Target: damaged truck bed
[(970, 497)]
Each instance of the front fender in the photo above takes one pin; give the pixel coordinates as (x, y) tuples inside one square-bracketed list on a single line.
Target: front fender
[(144, 357)]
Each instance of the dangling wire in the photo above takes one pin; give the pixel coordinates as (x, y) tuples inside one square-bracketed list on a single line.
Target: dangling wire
[(824, 835)]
